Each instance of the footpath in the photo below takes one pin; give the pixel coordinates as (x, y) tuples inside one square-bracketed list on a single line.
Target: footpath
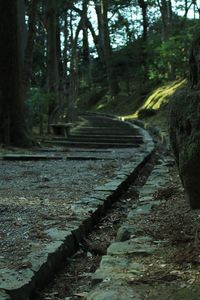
[(59, 232), (156, 253)]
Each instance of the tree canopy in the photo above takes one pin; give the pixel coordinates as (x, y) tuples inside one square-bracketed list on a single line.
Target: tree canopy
[(73, 53)]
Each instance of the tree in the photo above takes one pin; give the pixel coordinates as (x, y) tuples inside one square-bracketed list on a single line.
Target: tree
[(28, 56), (13, 128), (105, 44), (165, 7), (52, 59)]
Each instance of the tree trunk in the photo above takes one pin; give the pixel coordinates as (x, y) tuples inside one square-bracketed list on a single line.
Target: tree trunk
[(86, 51), (12, 122), (104, 42), (28, 59), (166, 14), (66, 46), (53, 74), (144, 66), (143, 5), (74, 83)]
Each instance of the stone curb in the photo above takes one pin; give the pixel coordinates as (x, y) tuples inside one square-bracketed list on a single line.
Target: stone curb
[(19, 284), (122, 262)]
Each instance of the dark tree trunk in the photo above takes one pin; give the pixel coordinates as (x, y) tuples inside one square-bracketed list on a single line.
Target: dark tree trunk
[(166, 14), (85, 34), (143, 5), (12, 123), (53, 77), (144, 66), (66, 46), (105, 45), (194, 63), (74, 82), (28, 59)]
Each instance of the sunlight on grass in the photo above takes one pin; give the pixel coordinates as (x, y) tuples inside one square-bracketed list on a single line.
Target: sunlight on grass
[(100, 106), (159, 97)]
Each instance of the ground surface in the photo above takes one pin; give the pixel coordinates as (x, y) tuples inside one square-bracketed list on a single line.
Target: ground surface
[(36, 195), (74, 281), (156, 252)]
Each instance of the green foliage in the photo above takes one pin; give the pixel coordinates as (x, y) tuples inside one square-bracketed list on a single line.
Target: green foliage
[(168, 59), (37, 106)]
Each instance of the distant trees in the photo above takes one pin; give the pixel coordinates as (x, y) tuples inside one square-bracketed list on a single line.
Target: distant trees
[(70, 52)]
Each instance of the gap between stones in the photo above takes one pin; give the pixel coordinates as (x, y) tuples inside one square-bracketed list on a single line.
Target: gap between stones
[(73, 282)]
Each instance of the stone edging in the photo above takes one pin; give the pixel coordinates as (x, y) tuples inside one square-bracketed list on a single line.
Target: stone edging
[(123, 261), (19, 284)]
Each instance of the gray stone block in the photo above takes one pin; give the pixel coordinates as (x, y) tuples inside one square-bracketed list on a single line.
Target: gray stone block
[(135, 246)]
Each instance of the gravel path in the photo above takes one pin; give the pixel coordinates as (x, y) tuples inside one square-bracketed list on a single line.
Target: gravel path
[(37, 195)]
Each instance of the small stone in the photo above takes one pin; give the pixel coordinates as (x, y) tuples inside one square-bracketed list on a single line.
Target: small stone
[(123, 235)]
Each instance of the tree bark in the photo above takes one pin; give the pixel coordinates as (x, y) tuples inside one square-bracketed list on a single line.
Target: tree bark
[(166, 14), (143, 56), (73, 84), (53, 73), (143, 5), (86, 51), (13, 128), (105, 45), (28, 59)]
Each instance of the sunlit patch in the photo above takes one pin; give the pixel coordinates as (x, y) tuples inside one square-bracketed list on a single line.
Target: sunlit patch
[(158, 97)]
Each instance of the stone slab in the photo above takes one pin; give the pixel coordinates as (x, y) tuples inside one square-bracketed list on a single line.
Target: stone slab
[(113, 291), (117, 268), (4, 296), (17, 283), (126, 231), (135, 246), (109, 295), (140, 210)]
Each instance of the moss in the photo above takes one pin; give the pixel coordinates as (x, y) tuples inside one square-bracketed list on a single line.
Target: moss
[(161, 95), (158, 98)]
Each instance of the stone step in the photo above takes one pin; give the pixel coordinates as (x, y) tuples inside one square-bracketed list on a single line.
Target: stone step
[(101, 139), (107, 121), (104, 124), (101, 136), (92, 144), (103, 131), (107, 140), (27, 157), (100, 126)]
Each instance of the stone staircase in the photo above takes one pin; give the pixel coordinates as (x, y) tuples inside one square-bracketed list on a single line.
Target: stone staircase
[(96, 131)]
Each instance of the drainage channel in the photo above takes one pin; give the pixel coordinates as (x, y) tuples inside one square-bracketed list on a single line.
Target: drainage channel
[(73, 282)]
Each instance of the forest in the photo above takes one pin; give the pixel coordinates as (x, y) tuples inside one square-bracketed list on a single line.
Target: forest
[(60, 57), (99, 149)]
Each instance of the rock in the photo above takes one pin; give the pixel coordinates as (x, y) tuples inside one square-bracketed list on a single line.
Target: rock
[(117, 290), (4, 296), (123, 234), (185, 140), (136, 246)]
